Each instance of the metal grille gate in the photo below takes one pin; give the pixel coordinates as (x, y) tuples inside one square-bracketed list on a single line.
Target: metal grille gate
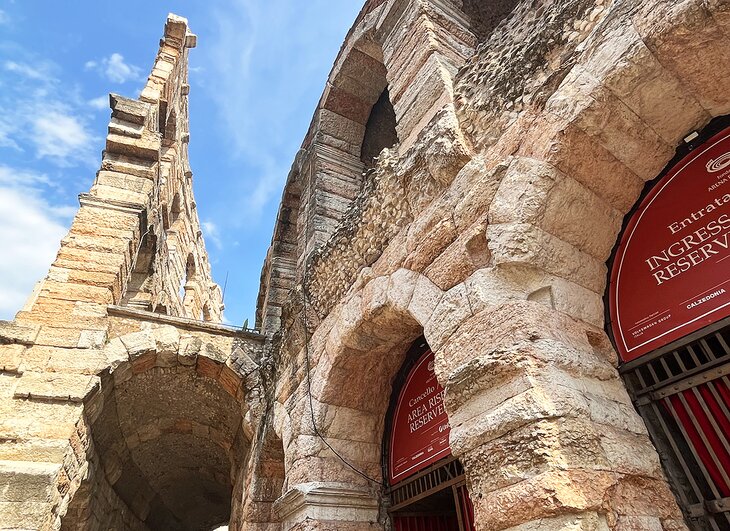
[(445, 474), (683, 393)]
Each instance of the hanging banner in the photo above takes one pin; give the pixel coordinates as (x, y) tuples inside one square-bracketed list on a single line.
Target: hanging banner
[(420, 434), (671, 274)]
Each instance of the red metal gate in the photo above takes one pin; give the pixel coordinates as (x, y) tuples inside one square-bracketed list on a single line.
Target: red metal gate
[(683, 393), (434, 480), (425, 523)]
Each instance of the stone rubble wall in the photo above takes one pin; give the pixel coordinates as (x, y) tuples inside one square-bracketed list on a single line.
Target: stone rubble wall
[(526, 133), (326, 178)]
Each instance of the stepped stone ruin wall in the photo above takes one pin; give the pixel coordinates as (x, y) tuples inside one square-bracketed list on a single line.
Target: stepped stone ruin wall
[(465, 178)]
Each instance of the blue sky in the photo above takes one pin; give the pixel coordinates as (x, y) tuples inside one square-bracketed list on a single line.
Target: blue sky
[(256, 76)]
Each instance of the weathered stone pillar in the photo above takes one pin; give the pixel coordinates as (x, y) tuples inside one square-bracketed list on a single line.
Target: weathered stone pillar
[(328, 505), (544, 427), (321, 491)]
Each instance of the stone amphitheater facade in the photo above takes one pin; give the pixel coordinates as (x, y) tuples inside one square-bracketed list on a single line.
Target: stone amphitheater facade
[(465, 179)]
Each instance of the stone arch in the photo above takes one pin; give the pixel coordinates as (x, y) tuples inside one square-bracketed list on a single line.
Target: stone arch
[(331, 167), (176, 209), (358, 82), (374, 329), (190, 268), (326, 176), (190, 289), (164, 439), (534, 366), (354, 365), (586, 168), (206, 314), (138, 292)]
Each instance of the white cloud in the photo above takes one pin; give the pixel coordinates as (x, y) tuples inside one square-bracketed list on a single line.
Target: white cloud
[(59, 136), (4, 18), (212, 233), (23, 179), (26, 70), (33, 118), (101, 103), (256, 101), (32, 229), (115, 69), (6, 130)]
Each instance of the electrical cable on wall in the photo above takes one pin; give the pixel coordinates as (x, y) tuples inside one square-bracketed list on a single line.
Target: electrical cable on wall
[(309, 394)]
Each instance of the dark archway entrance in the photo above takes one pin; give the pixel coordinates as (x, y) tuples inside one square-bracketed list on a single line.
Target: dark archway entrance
[(669, 301), (426, 484), (166, 444)]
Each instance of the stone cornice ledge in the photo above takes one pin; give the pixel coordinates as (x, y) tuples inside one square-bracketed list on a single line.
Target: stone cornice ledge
[(326, 501), (184, 322)]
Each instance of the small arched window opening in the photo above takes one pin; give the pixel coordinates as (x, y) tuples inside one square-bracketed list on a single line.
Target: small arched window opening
[(207, 315), (176, 210), (139, 286), (170, 130), (165, 214), (187, 294), (485, 16), (190, 269), (380, 132)]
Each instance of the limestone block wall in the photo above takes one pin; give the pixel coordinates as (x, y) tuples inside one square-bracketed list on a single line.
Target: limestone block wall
[(135, 246), (526, 131), (488, 230)]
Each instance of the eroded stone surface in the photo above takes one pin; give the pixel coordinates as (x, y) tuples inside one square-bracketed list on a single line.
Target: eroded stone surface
[(525, 133)]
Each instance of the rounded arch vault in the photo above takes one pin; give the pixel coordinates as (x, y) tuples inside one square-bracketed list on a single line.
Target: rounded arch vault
[(164, 437)]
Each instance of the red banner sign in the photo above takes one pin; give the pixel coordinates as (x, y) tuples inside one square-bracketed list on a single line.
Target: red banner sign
[(420, 433), (670, 275)]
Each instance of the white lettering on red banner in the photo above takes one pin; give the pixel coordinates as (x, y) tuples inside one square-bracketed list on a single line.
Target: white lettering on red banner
[(670, 274), (420, 434)]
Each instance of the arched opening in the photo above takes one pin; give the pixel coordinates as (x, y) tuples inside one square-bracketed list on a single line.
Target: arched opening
[(669, 307), (176, 209), (190, 269), (166, 439), (139, 287), (188, 288), (356, 95), (206, 314), (426, 484), (380, 130), (165, 214)]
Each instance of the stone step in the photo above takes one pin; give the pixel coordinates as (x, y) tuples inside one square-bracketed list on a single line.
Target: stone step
[(25, 490)]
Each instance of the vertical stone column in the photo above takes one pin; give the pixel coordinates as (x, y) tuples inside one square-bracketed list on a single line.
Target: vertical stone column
[(545, 428), (51, 354), (321, 491)]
